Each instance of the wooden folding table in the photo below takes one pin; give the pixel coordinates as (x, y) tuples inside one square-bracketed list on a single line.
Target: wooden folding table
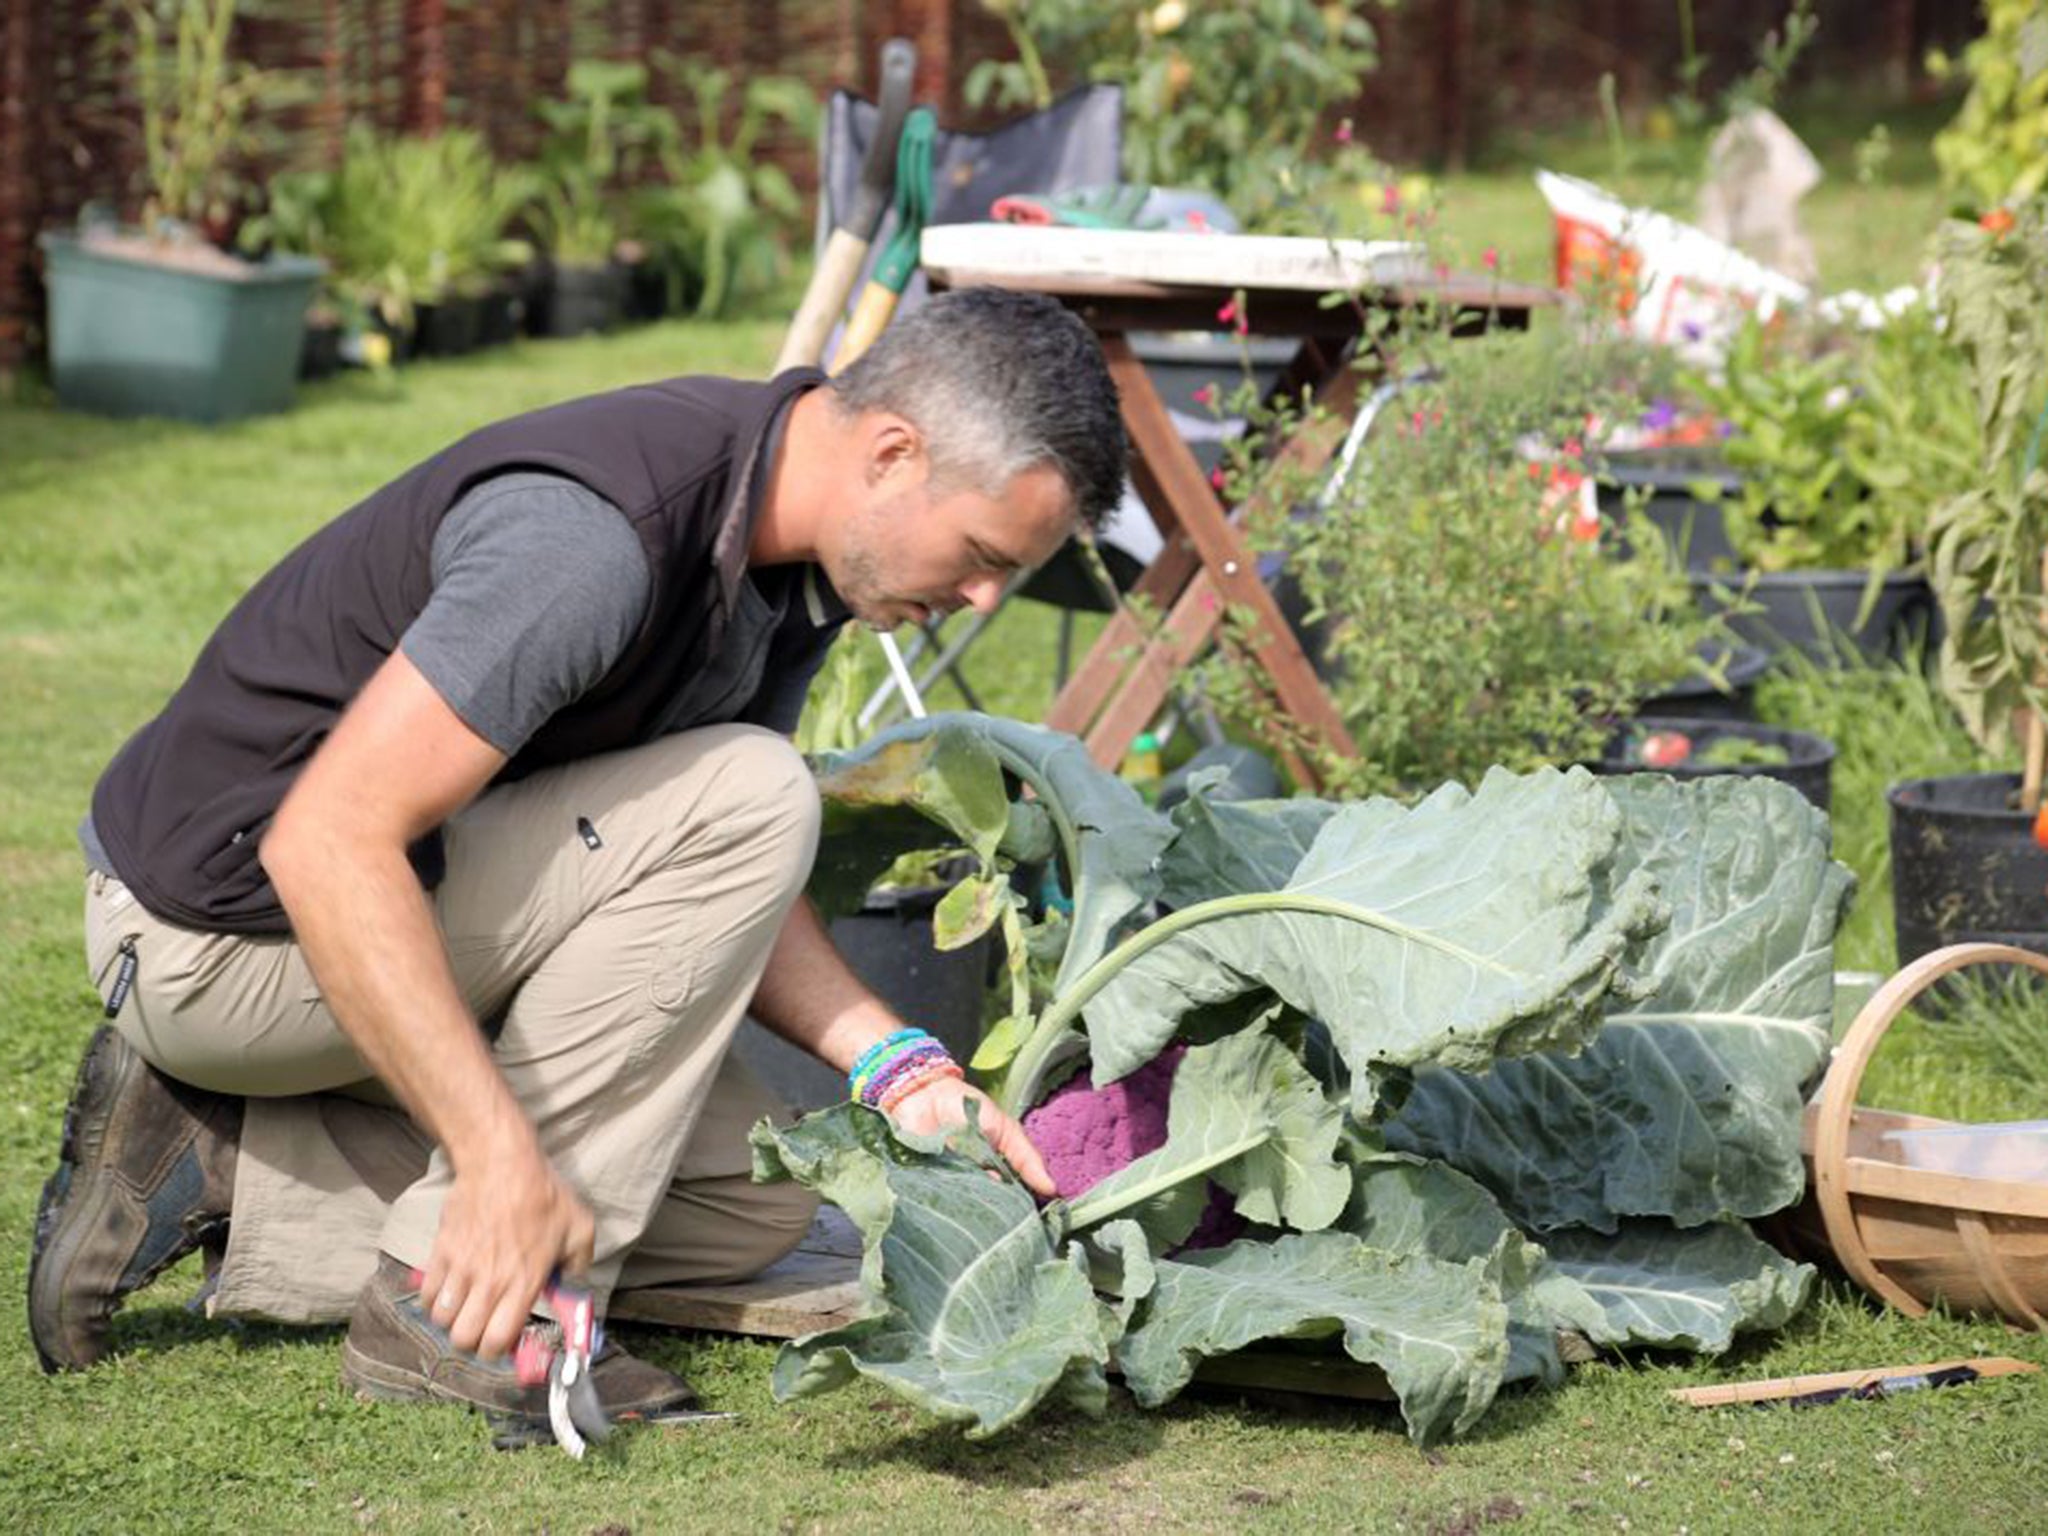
[(1120, 282)]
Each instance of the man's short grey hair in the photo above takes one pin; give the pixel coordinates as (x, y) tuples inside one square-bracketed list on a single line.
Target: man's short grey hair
[(998, 383)]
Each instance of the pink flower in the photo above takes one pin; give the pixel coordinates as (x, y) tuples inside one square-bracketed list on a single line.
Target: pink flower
[(1344, 131), (1228, 314), (1216, 478), (1390, 198), (1198, 221), (1206, 396), (1417, 422), (1490, 259)]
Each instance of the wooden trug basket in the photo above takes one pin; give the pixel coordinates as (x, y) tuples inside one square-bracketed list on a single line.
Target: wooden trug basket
[(1911, 1235)]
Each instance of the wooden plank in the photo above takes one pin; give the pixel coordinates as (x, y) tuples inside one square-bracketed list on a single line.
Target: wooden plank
[(1799, 1386), (816, 1287)]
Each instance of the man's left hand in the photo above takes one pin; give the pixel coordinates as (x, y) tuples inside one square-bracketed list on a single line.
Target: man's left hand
[(941, 1104)]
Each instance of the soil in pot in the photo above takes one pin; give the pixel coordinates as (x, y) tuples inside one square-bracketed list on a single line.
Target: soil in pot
[(1814, 612), (1696, 698), (1965, 866), (1694, 748), (888, 943)]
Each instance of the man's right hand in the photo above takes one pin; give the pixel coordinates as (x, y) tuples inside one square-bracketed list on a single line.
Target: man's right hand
[(506, 1226)]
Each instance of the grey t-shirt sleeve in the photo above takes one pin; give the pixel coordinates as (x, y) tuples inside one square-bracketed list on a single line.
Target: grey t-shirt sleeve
[(539, 586)]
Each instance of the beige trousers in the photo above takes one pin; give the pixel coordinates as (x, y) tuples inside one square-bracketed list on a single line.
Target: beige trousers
[(611, 978)]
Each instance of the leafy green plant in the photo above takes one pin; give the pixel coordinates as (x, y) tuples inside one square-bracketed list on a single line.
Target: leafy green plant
[(1996, 149), (196, 102), (1464, 596), (401, 221), (1372, 1008), (723, 212), (601, 138), (1987, 544), (1227, 96)]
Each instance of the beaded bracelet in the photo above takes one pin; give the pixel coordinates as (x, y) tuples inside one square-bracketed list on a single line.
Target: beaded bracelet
[(912, 1058), (882, 1047), (905, 1087), (884, 1070)]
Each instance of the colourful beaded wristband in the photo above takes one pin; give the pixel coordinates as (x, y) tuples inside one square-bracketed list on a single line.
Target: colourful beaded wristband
[(912, 1058), (906, 1086), (881, 1048)]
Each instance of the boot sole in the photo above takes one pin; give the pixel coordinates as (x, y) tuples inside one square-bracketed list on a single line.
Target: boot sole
[(54, 1211)]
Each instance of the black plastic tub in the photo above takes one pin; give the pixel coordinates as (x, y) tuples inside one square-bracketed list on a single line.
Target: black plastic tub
[(1696, 698), (888, 943), (1965, 866), (1814, 612), (449, 327), (1669, 496), (1808, 766), (582, 299)]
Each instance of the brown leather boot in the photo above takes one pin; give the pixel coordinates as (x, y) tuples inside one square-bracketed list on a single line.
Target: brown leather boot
[(145, 1174), (396, 1353)]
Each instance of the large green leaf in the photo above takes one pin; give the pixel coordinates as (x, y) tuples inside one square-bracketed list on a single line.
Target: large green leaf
[(1111, 840), (1246, 1113), (1691, 1289), (973, 1312), (1465, 927), (1402, 1205), (1227, 847), (881, 802), (1688, 1103), (1438, 1330)]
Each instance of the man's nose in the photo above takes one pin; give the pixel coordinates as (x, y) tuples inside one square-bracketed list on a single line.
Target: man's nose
[(982, 593)]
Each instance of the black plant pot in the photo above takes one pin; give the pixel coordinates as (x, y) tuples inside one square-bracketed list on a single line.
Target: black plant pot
[(582, 299), (320, 352), (888, 943), (499, 313), (1814, 612), (1696, 698), (1965, 866), (447, 328), (1809, 758), (1668, 495), (646, 292)]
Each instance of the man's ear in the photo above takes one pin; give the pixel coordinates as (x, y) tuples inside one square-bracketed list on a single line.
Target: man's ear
[(893, 447)]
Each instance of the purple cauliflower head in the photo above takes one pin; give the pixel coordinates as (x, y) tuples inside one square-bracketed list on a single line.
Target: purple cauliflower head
[(1086, 1133)]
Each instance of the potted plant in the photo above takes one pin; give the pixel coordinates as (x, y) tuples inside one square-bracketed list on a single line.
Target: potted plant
[(1967, 854), (715, 222), (1836, 443), (1695, 748), (1455, 592), (600, 136), (413, 230), (158, 319)]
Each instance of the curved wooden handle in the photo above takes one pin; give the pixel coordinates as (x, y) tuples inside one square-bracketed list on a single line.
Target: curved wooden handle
[(837, 271), (1838, 1102), (870, 316)]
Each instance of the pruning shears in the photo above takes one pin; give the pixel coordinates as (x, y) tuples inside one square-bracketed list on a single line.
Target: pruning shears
[(563, 1364)]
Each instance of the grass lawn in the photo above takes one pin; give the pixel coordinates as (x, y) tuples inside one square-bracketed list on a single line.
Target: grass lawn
[(121, 544)]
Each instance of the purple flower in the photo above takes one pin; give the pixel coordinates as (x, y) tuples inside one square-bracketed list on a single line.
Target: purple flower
[(1690, 330), (1661, 416), (1725, 429)]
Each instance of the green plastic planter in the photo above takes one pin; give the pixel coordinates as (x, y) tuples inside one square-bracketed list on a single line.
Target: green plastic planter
[(132, 338)]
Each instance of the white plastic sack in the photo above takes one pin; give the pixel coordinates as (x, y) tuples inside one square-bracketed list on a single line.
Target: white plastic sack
[(1669, 282)]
